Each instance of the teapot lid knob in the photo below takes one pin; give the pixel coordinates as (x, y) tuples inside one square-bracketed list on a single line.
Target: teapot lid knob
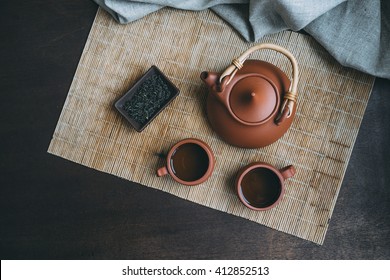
[(254, 99)]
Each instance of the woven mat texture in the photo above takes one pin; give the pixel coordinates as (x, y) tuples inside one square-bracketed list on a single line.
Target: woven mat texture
[(331, 104)]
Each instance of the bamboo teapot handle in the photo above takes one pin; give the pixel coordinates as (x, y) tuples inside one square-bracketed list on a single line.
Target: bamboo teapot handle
[(290, 97)]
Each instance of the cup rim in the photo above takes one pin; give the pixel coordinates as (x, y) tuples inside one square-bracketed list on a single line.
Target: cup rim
[(245, 170), (210, 156)]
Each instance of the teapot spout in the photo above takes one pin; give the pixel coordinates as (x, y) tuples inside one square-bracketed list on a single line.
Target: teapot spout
[(210, 79)]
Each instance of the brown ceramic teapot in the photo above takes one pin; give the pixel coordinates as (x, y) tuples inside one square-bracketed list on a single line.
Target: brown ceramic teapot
[(252, 105)]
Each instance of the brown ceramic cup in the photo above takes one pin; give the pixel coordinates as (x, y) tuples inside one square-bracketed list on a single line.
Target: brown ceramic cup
[(189, 162), (260, 186)]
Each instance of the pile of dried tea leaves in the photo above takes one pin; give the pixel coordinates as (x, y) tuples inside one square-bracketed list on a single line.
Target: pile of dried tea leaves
[(152, 94)]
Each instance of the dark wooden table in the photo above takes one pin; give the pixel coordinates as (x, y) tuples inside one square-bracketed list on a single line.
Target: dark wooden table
[(52, 208)]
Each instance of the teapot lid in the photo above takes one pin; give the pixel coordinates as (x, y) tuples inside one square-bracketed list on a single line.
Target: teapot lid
[(254, 99)]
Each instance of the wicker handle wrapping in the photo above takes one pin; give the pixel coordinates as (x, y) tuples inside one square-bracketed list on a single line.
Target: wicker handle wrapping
[(290, 97)]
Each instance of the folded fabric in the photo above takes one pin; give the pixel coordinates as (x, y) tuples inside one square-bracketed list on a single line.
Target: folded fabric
[(355, 32)]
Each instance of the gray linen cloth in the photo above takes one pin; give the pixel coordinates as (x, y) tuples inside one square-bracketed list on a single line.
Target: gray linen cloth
[(355, 32)]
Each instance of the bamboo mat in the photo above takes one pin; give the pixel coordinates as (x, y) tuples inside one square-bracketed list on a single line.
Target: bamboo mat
[(331, 104)]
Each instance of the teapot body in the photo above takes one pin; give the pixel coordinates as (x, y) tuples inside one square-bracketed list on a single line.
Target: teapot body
[(241, 133)]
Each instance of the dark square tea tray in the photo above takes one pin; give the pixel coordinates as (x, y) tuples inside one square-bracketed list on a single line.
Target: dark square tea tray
[(146, 98)]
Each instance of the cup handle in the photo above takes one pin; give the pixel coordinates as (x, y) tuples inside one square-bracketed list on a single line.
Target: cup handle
[(288, 171), (162, 171)]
